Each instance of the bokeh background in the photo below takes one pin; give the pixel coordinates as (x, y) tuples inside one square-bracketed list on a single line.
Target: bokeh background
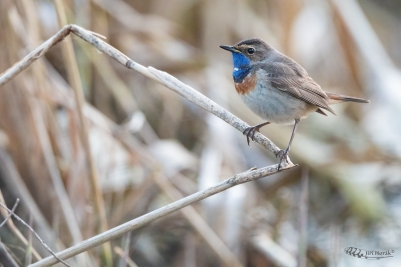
[(150, 146)]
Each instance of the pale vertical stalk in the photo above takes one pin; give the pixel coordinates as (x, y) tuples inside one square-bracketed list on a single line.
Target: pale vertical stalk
[(76, 84), (303, 219), (28, 255)]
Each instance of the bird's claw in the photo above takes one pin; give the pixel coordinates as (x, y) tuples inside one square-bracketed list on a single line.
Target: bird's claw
[(250, 132), (282, 154)]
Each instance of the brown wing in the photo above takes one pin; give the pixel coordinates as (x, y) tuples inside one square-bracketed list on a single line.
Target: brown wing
[(288, 76)]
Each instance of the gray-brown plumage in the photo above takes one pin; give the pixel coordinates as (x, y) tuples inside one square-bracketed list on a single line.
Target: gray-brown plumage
[(276, 87)]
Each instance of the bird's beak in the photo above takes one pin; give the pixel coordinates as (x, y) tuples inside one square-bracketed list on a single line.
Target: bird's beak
[(229, 48)]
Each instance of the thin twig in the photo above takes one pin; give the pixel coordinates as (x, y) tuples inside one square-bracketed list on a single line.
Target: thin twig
[(15, 230), (122, 254), (161, 212), (55, 257), (12, 211)]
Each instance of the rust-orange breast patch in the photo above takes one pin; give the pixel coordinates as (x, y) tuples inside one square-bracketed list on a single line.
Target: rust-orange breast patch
[(247, 85)]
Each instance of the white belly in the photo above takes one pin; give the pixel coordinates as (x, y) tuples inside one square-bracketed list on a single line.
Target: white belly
[(276, 106)]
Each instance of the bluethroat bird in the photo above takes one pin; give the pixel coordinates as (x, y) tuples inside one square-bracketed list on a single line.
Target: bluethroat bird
[(277, 88)]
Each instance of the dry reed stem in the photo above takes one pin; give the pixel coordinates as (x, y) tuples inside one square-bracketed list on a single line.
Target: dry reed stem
[(76, 84), (34, 55), (118, 231)]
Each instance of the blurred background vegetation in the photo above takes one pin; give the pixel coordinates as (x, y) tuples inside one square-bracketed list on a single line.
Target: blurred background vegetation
[(150, 146)]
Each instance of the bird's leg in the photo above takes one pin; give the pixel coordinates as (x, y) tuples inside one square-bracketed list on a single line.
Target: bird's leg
[(250, 131), (283, 153)]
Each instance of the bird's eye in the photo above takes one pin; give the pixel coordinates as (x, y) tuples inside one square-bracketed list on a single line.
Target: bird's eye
[(250, 50)]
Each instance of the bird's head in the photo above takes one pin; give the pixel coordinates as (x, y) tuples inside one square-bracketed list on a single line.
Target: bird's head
[(248, 51)]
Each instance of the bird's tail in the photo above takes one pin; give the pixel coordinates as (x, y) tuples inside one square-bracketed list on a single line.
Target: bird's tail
[(336, 98)]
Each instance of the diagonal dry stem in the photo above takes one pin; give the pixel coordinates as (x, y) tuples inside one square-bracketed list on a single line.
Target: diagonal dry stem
[(161, 212)]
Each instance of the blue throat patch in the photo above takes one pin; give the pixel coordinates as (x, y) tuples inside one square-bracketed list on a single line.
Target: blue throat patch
[(241, 67)]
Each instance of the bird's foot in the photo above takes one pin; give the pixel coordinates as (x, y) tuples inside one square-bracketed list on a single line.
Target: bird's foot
[(250, 133), (283, 155)]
